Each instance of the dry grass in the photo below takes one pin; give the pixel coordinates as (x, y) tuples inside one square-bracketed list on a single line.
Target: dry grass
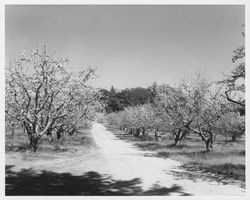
[(227, 158), (18, 148)]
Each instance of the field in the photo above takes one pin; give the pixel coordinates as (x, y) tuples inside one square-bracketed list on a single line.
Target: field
[(57, 168), (20, 143), (226, 163), (76, 165)]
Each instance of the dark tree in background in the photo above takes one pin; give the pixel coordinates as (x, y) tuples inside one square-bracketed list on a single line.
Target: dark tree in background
[(118, 100)]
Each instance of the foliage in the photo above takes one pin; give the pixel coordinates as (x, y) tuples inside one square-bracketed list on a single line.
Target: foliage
[(232, 125), (235, 82), (119, 100), (193, 106), (46, 99)]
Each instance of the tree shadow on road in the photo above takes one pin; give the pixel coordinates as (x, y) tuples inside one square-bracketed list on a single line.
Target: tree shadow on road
[(28, 182)]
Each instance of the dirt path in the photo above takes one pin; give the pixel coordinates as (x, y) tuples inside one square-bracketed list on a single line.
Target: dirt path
[(126, 162)]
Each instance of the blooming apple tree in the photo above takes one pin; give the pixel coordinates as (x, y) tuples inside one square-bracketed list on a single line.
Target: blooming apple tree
[(47, 99)]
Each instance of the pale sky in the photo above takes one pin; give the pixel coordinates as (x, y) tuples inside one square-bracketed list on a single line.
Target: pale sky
[(131, 46)]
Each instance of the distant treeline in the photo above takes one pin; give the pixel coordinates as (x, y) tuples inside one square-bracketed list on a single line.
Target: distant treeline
[(118, 100)]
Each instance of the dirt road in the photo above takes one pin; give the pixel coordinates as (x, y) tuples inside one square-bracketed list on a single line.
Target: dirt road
[(126, 162)]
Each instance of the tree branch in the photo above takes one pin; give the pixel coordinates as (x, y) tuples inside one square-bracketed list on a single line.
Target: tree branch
[(231, 100)]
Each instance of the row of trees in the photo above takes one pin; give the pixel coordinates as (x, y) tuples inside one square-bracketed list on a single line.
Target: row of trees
[(194, 106), (46, 99)]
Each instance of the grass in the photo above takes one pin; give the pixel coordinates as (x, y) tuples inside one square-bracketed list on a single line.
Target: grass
[(19, 146), (227, 160)]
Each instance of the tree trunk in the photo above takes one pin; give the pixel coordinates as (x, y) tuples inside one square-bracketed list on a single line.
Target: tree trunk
[(156, 136), (176, 137), (179, 136), (33, 143), (144, 133), (233, 138), (176, 140), (137, 133), (209, 144), (33, 138), (12, 133)]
